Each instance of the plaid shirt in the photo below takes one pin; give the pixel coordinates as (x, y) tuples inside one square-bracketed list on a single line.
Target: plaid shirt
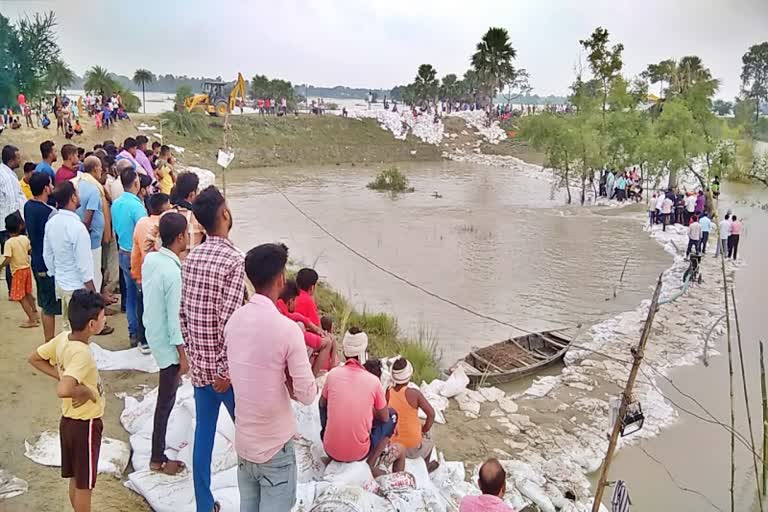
[(212, 288)]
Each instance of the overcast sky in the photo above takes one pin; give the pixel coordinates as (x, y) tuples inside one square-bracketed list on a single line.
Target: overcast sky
[(380, 43)]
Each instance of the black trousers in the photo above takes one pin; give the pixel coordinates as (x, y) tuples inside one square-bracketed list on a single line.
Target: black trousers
[(141, 336), (704, 239), (166, 397), (692, 244), (733, 246)]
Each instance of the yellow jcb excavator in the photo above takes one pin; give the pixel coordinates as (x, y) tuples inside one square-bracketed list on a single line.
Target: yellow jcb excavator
[(214, 100)]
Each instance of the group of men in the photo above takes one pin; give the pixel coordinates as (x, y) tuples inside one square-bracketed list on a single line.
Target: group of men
[(621, 186)]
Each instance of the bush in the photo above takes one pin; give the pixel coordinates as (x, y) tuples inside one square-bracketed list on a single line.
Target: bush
[(131, 102), (391, 180), (331, 106), (188, 124)]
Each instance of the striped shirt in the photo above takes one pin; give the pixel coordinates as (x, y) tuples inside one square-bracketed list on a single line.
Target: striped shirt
[(12, 199), (212, 288)]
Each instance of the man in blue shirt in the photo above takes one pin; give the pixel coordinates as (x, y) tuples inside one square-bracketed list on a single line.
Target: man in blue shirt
[(706, 227), (91, 211), (126, 212), (36, 215), (49, 153)]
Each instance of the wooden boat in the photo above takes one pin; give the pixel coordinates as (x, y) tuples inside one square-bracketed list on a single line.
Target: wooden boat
[(515, 358)]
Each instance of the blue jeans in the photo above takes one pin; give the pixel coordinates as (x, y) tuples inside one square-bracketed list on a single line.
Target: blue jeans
[(207, 405), (131, 292), (379, 430), (270, 485)]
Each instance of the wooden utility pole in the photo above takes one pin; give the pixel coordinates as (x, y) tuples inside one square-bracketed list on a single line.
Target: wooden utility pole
[(225, 148), (765, 417), (626, 397)]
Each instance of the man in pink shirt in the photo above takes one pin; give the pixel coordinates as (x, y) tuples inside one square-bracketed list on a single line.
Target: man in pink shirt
[(268, 365), (493, 483), (141, 156), (351, 400)]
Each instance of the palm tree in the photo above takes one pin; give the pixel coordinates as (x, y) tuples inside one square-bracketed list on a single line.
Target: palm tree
[(98, 80), (493, 60), (142, 77), (59, 76), (449, 89), (426, 83)]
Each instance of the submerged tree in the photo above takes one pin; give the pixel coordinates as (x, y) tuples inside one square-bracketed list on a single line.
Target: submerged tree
[(143, 77), (754, 75)]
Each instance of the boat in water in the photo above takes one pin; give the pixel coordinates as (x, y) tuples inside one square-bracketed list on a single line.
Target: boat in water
[(515, 358)]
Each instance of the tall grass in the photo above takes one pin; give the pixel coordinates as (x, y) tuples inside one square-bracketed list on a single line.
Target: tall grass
[(188, 124), (385, 338)]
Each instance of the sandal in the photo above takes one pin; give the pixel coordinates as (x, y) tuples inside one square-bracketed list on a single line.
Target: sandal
[(169, 467), (106, 330)]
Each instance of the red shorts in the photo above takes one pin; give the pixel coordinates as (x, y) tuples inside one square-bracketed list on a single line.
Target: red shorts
[(21, 284), (80, 445)]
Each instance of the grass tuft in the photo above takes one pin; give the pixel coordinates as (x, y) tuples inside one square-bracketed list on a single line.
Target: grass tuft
[(392, 180)]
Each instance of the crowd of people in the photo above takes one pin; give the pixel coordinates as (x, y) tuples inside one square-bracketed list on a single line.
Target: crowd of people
[(622, 186), (104, 224)]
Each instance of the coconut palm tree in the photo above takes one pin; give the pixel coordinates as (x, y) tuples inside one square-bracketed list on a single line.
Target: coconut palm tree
[(142, 77), (426, 83), (493, 60), (98, 80), (59, 76), (449, 89)]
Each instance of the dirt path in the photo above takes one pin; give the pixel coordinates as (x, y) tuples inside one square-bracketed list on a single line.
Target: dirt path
[(28, 406)]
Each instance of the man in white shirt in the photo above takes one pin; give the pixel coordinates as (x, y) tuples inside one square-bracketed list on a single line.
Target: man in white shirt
[(12, 199), (690, 207), (666, 211), (659, 205), (694, 236), (724, 229)]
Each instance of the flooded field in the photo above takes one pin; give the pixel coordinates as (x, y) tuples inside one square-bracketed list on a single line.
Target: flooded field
[(497, 242)]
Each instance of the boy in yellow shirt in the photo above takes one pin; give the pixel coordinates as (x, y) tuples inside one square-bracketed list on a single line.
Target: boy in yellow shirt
[(16, 254), (67, 358), (29, 168), (166, 176)]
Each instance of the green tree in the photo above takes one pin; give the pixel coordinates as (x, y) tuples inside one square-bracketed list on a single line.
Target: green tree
[(425, 84), (690, 73), (553, 134), (754, 75), (604, 62), (492, 61), (27, 50), (143, 77), (59, 76), (182, 93), (660, 73), (722, 107), (99, 81), (450, 88)]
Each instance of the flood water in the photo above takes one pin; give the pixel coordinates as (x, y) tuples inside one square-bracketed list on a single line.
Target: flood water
[(498, 243), (502, 244)]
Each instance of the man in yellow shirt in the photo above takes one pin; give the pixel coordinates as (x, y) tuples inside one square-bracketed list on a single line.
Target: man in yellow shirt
[(67, 358), (164, 173), (29, 168)]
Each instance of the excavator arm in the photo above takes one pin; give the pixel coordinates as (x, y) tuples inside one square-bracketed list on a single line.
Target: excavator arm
[(238, 91)]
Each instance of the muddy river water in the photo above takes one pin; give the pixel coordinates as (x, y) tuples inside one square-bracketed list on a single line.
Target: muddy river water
[(505, 245)]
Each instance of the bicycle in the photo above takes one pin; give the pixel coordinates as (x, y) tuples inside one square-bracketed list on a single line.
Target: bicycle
[(692, 273)]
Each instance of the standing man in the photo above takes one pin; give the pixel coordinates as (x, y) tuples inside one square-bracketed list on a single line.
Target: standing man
[(162, 295), (67, 171), (12, 199), (49, 154), (733, 240), (724, 230), (706, 227), (37, 212), (141, 156), (268, 365), (126, 212), (213, 287), (690, 208), (67, 248), (184, 193), (694, 236)]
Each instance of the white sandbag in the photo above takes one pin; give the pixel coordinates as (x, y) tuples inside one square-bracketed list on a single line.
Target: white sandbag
[(11, 486), (434, 387), (309, 466), (348, 473), (409, 501), (223, 457), (456, 383), (308, 420), (467, 403), (166, 493), (340, 498), (207, 178), (536, 494), (396, 482), (46, 450), (129, 359), (491, 393), (305, 495)]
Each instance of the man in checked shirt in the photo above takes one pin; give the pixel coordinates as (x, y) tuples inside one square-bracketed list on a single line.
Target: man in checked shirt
[(212, 288)]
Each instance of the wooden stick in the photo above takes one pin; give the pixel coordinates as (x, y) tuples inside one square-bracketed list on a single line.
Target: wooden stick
[(765, 416), (730, 379), (746, 395), (626, 397)]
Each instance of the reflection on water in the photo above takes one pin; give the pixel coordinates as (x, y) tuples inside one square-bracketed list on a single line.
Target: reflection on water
[(494, 242)]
